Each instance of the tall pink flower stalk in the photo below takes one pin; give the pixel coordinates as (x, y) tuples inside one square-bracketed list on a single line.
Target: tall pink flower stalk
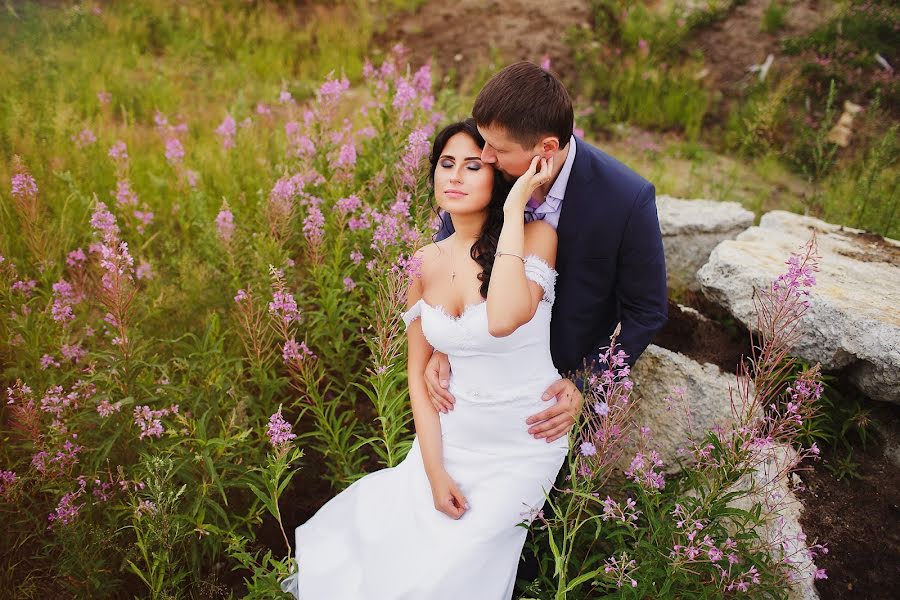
[(227, 130), (253, 328), (30, 211), (225, 224), (607, 416), (117, 283)]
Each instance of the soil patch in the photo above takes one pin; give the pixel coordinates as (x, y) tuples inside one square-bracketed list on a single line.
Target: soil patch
[(713, 336), (467, 36), (858, 519), (730, 46)]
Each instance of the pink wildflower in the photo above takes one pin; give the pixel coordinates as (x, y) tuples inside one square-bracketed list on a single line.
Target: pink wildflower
[(144, 270), (84, 138), (227, 130), (7, 480), (24, 186), (347, 156), (174, 151), (124, 195), (294, 352), (225, 223), (279, 431)]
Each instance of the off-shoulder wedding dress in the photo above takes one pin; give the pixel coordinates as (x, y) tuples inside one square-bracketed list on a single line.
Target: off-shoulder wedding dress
[(382, 538)]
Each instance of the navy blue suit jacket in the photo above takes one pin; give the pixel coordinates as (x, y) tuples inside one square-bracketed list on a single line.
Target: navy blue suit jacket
[(610, 262)]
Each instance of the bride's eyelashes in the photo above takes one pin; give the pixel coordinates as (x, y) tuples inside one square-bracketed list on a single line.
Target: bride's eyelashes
[(472, 165)]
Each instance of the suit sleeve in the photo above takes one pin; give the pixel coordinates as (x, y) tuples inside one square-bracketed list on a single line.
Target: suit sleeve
[(641, 277)]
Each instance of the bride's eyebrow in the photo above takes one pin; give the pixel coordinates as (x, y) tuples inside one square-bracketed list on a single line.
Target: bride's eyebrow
[(443, 156)]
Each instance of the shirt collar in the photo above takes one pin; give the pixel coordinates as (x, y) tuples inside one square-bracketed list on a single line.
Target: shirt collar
[(558, 190)]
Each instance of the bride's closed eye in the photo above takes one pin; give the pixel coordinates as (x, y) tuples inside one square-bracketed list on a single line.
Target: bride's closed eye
[(472, 166)]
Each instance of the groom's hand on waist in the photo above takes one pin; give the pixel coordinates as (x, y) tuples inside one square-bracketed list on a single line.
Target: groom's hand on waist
[(555, 422), (437, 380)]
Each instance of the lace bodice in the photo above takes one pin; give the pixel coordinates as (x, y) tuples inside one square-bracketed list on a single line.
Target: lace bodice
[(480, 361)]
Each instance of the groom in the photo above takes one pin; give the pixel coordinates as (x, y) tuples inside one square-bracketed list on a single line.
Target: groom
[(610, 261)]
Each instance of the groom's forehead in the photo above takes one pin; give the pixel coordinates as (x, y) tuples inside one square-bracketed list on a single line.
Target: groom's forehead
[(498, 137)]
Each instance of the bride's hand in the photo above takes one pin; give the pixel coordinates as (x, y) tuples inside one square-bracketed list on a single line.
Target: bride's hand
[(448, 498), (538, 173)]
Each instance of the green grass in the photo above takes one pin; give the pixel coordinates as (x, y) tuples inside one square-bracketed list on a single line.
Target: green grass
[(774, 16), (195, 59)]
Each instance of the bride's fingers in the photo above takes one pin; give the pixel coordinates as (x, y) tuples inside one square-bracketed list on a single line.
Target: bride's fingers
[(460, 498)]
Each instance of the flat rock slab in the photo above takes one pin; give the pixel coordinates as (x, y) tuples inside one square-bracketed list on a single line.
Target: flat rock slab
[(691, 229), (853, 322)]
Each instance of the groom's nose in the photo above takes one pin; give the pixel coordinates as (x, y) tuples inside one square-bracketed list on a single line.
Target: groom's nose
[(488, 155)]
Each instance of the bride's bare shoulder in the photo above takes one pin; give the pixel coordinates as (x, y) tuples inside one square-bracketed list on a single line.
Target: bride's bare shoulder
[(428, 256)]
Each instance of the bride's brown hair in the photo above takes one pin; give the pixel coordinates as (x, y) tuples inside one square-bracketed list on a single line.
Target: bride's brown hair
[(486, 245)]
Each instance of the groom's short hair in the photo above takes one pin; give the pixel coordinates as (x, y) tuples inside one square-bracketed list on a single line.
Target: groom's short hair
[(528, 102)]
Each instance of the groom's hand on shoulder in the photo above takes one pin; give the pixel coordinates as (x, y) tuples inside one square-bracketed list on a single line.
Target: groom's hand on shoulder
[(555, 422)]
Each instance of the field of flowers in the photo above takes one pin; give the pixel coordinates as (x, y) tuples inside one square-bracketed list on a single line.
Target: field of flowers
[(202, 268)]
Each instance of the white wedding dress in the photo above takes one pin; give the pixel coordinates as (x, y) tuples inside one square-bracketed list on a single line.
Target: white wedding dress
[(382, 538)]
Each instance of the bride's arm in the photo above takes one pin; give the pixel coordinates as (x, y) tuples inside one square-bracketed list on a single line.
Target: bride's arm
[(512, 298), (448, 498), (427, 421)]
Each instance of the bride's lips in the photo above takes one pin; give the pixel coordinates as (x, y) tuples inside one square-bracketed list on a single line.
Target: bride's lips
[(454, 193)]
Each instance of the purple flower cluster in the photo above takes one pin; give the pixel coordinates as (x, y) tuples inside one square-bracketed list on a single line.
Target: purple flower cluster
[(124, 195), (417, 148), (59, 462), (294, 352), (314, 226), (24, 187), (225, 224), (226, 130), (283, 306), (55, 401), (149, 420), (174, 151), (279, 431), (105, 408), (330, 92), (795, 283), (346, 158), (104, 223), (118, 152), (627, 514), (67, 510), (7, 480), (84, 138), (643, 471), (621, 569)]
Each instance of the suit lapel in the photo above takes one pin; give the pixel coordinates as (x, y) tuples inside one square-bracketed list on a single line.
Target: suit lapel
[(575, 204)]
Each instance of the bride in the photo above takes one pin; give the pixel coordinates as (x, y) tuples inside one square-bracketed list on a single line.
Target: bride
[(449, 522)]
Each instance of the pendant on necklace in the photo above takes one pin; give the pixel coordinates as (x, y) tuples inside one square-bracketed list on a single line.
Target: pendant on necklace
[(452, 275)]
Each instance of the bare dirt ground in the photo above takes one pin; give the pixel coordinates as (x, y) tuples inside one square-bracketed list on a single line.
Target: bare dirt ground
[(732, 45), (466, 36)]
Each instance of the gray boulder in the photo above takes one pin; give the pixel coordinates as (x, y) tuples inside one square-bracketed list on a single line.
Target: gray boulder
[(703, 402), (852, 323), (691, 229)]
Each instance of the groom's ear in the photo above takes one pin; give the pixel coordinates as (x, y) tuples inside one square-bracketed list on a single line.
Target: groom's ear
[(549, 145)]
